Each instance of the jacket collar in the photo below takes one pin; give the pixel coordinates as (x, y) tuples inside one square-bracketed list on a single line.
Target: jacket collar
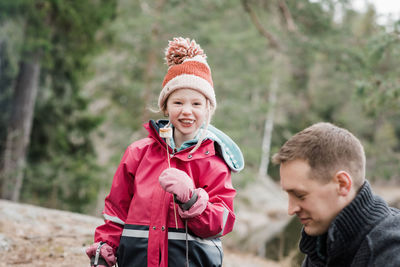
[(225, 146), (153, 127)]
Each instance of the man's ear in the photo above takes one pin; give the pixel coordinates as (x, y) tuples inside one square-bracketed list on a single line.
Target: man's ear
[(344, 182)]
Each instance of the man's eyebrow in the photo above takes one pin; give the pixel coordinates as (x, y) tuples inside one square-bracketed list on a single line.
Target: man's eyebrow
[(296, 191)]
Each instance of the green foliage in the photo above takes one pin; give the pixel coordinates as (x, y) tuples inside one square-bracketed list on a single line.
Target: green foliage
[(379, 85), (63, 182), (312, 18), (91, 107), (10, 47), (326, 57), (344, 72), (61, 162), (62, 130)]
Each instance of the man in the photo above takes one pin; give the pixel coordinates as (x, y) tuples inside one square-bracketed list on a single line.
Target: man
[(322, 168)]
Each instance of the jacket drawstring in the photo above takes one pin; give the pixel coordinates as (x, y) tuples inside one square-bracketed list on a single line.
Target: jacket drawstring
[(187, 244)]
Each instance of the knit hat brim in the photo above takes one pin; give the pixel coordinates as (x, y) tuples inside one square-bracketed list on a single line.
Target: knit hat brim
[(188, 81)]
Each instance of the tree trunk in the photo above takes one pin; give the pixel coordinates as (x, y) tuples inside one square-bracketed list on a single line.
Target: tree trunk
[(19, 128), (268, 127), (276, 50)]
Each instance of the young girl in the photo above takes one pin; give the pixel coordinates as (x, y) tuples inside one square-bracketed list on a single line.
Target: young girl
[(172, 195)]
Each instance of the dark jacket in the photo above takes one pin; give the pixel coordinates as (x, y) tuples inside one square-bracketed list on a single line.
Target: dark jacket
[(365, 233)]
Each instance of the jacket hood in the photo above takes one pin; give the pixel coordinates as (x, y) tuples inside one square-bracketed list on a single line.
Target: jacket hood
[(230, 152), (225, 146)]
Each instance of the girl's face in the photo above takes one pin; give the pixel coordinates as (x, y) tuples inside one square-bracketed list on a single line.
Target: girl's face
[(187, 110)]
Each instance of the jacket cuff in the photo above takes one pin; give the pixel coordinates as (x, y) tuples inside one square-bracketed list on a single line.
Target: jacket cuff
[(198, 207), (187, 205)]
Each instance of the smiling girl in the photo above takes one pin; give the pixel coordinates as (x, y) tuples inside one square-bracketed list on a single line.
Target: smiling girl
[(172, 195)]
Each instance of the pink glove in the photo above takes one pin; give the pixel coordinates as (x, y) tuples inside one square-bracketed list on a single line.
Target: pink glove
[(198, 207), (105, 252), (177, 182)]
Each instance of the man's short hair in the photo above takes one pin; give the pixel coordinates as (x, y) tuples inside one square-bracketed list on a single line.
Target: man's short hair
[(327, 149)]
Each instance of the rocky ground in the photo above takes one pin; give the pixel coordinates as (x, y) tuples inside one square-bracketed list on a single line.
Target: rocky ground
[(36, 236)]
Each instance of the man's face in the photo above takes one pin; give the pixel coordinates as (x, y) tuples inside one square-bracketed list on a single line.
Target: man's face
[(315, 203)]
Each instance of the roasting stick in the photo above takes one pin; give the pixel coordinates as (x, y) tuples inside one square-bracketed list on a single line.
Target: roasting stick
[(166, 133)]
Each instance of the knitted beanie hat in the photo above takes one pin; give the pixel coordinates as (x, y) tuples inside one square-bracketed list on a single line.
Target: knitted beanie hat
[(188, 69)]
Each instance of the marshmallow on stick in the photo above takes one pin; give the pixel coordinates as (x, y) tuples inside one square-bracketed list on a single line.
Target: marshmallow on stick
[(166, 132)]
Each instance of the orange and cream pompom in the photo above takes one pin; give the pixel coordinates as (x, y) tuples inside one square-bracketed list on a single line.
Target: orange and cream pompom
[(188, 69)]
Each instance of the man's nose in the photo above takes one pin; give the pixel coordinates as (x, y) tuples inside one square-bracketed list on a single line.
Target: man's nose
[(293, 206)]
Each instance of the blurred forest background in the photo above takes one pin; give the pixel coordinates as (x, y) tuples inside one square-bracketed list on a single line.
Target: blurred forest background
[(77, 79)]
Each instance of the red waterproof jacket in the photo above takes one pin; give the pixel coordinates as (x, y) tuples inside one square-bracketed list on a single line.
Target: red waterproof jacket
[(139, 214)]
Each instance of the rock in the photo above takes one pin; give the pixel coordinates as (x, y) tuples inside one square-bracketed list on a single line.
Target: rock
[(5, 244), (261, 214), (37, 236)]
